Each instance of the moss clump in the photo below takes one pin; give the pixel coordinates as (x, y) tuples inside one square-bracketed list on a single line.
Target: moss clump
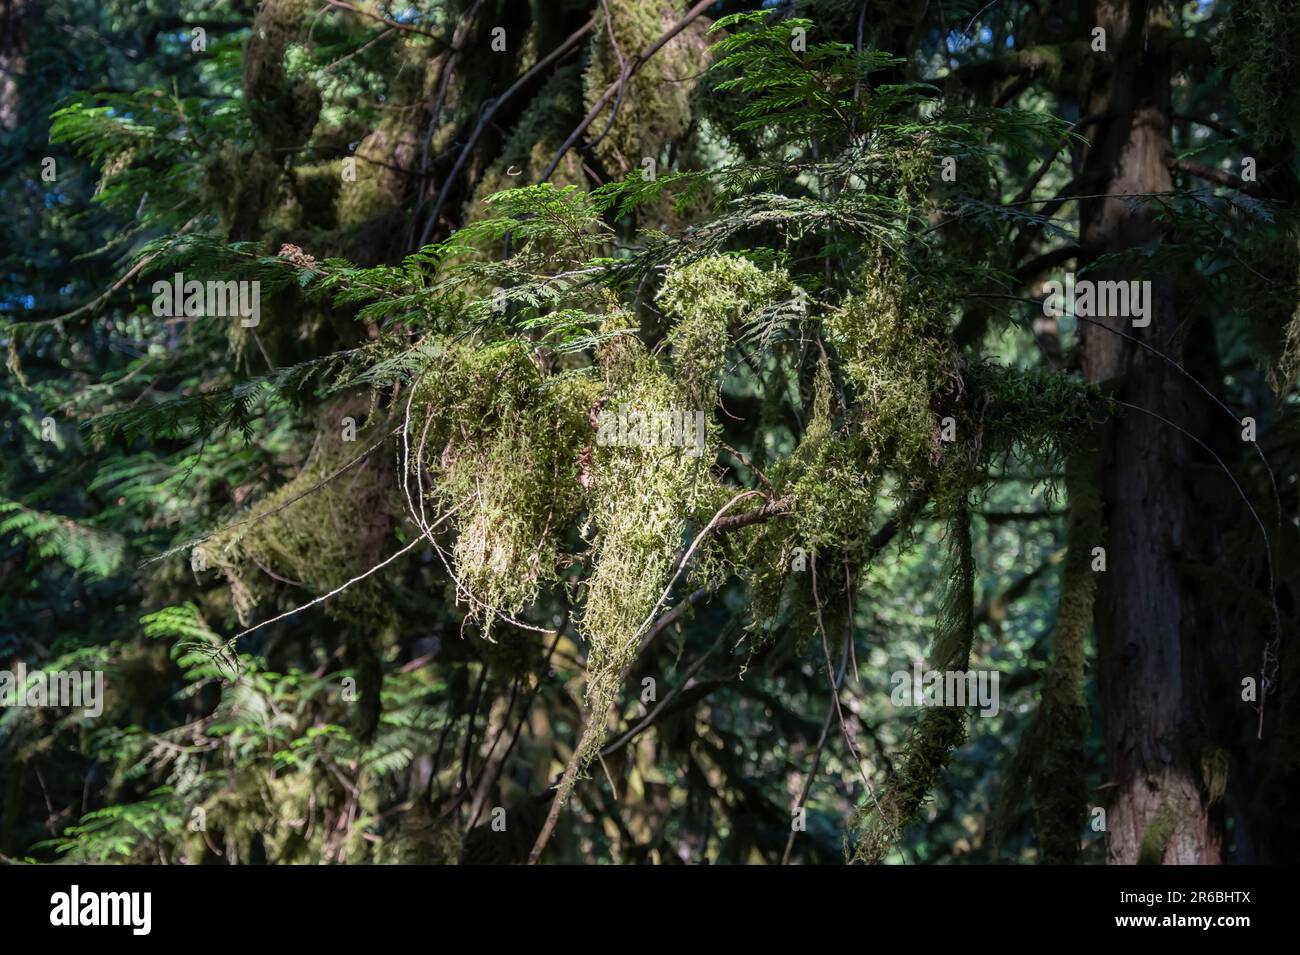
[(1216, 764), (1156, 836), (640, 499), (241, 183), (318, 531), (897, 361), (655, 106), (316, 187), (1259, 45), (283, 110), (420, 840), (494, 437), (379, 186), (710, 296), (1034, 415), (638, 513)]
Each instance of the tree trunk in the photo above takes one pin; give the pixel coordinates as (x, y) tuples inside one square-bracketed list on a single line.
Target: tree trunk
[(1151, 676)]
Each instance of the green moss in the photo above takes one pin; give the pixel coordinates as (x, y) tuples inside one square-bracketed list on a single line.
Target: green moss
[(1216, 764), (639, 500), (896, 359), (709, 297), (379, 186), (1155, 839), (316, 188), (502, 442), (1259, 45), (318, 538), (656, 103), (1059, 762), (283, 109)]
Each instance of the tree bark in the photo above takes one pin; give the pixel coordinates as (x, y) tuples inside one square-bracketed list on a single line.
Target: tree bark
[(1151, 677)]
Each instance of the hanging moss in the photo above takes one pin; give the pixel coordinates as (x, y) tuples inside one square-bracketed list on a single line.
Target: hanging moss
[(897, 361), (1272, 312), (640, 497), (1033, 414), (941, 729), (240, 183), (502, 442), (656, 103), (1216, 765), (283, 109), (1258, 46), (317, 538), (316, 188), (709, 297), (900, 371)]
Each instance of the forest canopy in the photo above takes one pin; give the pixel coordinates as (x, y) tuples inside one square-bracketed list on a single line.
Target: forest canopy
[(502, 431)]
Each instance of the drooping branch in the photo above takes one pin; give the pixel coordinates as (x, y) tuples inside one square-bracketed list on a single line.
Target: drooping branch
[(1219, 177)]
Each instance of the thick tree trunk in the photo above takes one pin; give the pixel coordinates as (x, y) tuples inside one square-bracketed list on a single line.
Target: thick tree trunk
[(1151, 677)]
